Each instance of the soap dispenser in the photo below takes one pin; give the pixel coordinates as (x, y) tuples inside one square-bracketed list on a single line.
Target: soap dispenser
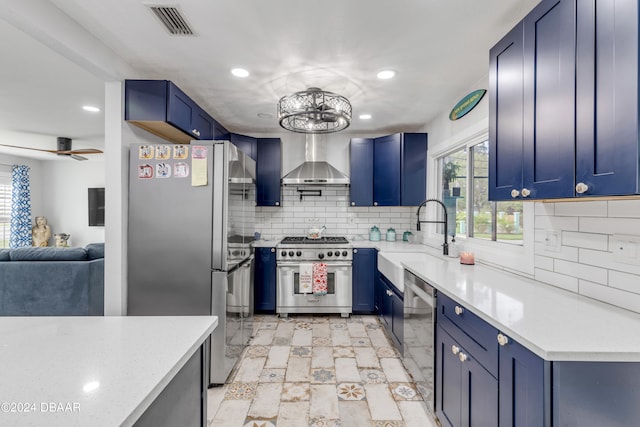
[(453, 248)]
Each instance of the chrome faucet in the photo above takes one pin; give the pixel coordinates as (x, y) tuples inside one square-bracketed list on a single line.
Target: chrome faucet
[(445, 245)]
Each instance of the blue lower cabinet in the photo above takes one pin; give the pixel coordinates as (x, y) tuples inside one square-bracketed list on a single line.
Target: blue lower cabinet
[(265, 280), (466, 393), (365, 266), (391, 311), (523, 379)]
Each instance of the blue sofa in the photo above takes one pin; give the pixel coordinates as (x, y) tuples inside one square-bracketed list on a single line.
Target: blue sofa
[(52, 281)]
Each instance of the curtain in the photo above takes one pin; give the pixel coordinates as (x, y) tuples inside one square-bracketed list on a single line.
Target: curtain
[(20, 207)]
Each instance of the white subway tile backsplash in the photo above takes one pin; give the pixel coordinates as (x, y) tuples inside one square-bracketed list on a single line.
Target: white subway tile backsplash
[(627, 300), (581, 271), (624, 281), (586, 240), (594, 208), (624, 209), (546, 263), (544, 208), (566, 252), (610, 225), (559, 280), (606, 260), (556, 223)]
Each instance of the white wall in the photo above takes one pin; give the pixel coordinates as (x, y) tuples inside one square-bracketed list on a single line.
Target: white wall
[(65, 198)]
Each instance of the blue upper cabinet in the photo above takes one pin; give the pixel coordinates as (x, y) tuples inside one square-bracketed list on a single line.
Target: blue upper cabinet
[(549, 100), (161, 108), (607, 98), (361, 166), (505, 116), (389, 171), (268, 171), (386, 170), (246, 144)]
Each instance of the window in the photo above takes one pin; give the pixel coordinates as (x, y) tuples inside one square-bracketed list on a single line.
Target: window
[(465, 193), (5, 209)]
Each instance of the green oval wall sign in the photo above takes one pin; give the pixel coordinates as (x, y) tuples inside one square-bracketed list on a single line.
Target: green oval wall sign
[(466, 104)]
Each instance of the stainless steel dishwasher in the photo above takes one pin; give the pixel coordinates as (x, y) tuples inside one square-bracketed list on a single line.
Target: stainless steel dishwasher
[(419, 334)]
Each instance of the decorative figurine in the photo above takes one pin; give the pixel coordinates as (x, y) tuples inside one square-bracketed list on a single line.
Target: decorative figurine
[(41, 232), (62, 240)]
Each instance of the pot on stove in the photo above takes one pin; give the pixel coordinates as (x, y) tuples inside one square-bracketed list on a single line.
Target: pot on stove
[(315, 233)]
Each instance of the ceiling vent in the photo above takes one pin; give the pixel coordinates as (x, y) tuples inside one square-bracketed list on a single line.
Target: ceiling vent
[(172, 20)]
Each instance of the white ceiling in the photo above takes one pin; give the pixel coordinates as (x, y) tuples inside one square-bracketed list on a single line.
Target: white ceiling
[(439, 50)]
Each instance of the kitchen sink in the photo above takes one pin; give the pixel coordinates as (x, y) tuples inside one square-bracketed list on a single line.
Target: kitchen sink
[(389, 264)]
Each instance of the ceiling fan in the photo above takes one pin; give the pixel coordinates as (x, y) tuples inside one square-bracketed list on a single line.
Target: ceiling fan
[(64, 149)]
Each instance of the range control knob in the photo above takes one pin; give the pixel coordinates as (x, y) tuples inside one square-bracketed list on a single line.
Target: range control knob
[(320, 255), (344, 253), (290, 253), (329, 253), (299, 253), (283, 253)]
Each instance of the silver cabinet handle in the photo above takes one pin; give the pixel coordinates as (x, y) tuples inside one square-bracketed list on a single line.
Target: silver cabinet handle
[(277, 203), (526, 192), (581, 188), (273, 250), (458, 310), (455, 349), (390, 293), (355, 251), (463, 357), (503, 339), (353, 203), (375, 203), (196, 132), (515, 193)]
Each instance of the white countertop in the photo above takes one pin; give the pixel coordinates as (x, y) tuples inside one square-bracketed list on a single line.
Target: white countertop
[(553, 323), (45, 360)]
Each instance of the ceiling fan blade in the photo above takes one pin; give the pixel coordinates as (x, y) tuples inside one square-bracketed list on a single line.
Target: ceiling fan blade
[(76, 157), (29, 148), (81, 151)]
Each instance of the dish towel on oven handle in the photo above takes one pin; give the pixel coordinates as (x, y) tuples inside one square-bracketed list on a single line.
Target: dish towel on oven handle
[(306, 278), (319, 278)]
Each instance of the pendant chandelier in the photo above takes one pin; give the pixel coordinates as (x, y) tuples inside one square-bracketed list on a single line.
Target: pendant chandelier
[(314, 111)]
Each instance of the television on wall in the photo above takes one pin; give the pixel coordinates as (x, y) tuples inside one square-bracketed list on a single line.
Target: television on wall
[(96, 207)]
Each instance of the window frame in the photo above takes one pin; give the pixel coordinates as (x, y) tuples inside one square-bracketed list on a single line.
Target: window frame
[(508, 256)]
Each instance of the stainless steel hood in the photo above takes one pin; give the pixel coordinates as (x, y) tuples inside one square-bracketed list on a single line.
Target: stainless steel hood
[(315, 170)]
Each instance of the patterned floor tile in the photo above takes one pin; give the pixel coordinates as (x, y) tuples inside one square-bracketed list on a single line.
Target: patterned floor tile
[(387, 352), (272, 375), (350, 391), (287, 320), (267, 325), (324, 423), (361, 342), (343, 352), (301, 351), (404, 391), (282, 341), (390, 423), (240, 391), (354, 319), (295, 392), (323, 375), (335, 325), (304, 326), (372, 376), (254, 351), (373, 326), (259, 422), (321, 341), (320, 319)]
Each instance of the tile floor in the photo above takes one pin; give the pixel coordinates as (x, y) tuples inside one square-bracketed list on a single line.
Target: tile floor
[(318, 371)]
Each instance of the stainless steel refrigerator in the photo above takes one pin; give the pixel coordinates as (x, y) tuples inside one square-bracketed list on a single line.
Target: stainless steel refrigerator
[(191, 224)]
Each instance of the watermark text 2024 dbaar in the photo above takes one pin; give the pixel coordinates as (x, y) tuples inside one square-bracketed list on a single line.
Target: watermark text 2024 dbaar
[(42, 407)]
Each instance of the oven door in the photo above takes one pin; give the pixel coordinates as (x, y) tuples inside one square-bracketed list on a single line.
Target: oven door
[(337, 299)]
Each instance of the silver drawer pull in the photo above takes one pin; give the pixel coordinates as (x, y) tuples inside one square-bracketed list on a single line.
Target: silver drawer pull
[(273, 250), (196, 132), (581, 188), (463, 357), (515, 193), (526, 192), (455, 349), (503, 339), (458, 310)]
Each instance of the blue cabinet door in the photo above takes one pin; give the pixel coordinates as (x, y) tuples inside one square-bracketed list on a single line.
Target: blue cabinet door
[(448, 381), (246, 144), (180, 108), (505, 116), (479, 393), (145, 100), (268, 171), (549, 100), (361, 165), (397, 318), (384, 303), (391, 311), (265, 280), (414, 169), (202, 124), (607, 97), (365, 267), (523, 378), (386, 171)]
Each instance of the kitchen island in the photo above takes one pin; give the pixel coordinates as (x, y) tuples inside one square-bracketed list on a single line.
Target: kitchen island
[(103, 371)]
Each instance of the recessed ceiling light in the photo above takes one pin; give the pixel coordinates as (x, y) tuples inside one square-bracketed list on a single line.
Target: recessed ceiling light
[(240, 72), (386, 74), (365, 116), (91, 108)]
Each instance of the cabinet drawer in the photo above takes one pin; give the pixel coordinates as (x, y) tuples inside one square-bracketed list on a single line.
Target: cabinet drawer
[(473, 333)]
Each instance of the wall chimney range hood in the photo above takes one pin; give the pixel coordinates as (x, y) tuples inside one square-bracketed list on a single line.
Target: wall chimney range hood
[(315, 170)]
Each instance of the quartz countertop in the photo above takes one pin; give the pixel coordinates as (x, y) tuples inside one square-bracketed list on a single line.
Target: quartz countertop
[(95, 371), (553, 323)]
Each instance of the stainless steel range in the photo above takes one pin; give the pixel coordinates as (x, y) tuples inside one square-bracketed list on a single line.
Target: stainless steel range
[(336, 253)]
